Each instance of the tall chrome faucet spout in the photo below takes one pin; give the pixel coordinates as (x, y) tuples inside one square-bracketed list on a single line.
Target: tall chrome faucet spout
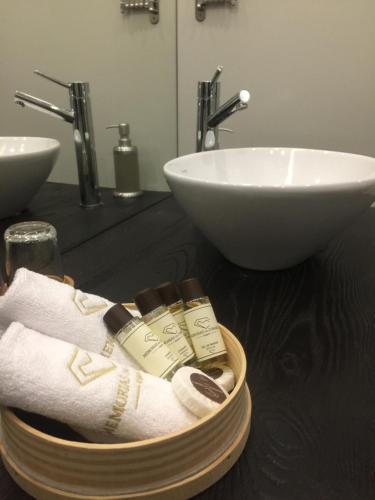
[(29, 101), (210, 114), (83, 132)]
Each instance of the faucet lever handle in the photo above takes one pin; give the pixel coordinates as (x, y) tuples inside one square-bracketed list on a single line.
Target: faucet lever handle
[(217, 74), (51, 79)]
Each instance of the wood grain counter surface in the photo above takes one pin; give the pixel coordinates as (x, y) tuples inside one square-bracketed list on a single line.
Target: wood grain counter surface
[(309, 335)]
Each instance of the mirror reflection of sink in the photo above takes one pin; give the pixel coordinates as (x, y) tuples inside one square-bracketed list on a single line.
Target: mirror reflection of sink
[(25, 163), (271, 208)]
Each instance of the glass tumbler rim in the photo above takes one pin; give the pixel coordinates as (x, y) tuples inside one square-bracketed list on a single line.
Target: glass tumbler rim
[(29, 231)]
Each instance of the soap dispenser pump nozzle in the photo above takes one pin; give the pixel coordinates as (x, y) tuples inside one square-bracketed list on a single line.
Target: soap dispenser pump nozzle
[(124, 131)]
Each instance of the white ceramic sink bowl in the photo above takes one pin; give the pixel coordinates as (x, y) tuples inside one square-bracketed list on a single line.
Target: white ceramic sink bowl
[(271, 208), (25, 163)]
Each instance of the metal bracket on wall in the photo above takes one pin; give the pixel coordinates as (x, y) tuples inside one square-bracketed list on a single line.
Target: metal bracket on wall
[(150, 6), (200, 6)]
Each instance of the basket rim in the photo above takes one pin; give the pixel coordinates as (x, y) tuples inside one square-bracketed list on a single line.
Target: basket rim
[(9, 415)]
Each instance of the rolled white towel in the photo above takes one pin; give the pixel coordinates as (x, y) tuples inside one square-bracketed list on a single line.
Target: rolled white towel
[(61, 311), (89, 392)]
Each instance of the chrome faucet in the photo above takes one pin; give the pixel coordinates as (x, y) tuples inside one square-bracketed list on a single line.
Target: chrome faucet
[(210, 114), (83, 133)]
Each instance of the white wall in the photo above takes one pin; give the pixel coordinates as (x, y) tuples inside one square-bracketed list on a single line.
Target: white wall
[(309, 64), (129, 63)]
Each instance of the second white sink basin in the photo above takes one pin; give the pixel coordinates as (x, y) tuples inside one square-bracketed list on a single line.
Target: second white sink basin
[(25, 163), (271, 208)]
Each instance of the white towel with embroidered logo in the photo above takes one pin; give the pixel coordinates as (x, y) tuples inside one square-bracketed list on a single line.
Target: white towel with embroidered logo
[(61, 311), (107, 401)]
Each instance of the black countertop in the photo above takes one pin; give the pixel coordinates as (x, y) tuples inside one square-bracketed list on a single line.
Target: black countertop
[(309, 334)]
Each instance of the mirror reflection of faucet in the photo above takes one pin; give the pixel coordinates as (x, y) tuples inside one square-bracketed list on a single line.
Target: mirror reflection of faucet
[(210, 114), (83, 133)]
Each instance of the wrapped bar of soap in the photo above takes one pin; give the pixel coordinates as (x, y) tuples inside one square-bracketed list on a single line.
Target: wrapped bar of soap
[(222, 374), (199, 393)]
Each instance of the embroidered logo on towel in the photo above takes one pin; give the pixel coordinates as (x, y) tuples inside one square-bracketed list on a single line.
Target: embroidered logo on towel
[(109, 345), (88, 304), (86, 370), (122, 399), (120, 403)]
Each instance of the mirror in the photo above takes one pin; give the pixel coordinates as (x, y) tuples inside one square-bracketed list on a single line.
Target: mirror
[(309, 67), (129, 63)]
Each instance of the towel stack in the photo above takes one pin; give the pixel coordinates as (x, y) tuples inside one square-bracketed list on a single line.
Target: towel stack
[(58, 359)]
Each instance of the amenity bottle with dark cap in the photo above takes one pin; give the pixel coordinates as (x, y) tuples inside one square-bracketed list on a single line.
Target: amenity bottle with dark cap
[(158, 318), (171, 297), (200, 319), (141, 343)]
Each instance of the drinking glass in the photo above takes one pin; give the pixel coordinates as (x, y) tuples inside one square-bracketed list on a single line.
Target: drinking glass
[(32, 245)]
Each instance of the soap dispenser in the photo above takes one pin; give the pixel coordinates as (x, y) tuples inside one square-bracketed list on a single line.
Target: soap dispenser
[(125, 158)]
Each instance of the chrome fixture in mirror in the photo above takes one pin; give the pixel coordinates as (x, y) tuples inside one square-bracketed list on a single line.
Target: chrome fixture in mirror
[(83, 133)]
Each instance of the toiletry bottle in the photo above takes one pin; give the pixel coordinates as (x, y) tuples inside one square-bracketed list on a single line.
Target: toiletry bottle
[(200, 318), (125, 157), (141, 343), (158, 318), (171, 297)]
